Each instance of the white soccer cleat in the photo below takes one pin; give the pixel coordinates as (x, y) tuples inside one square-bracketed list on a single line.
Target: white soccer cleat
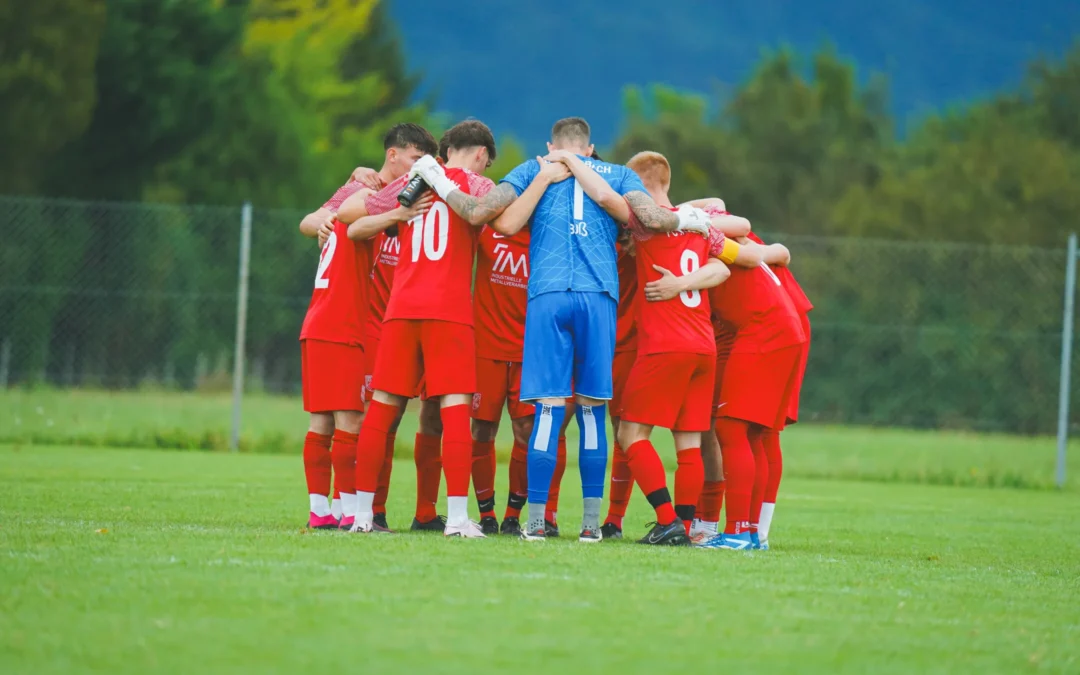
[(363, 524), (700, 534), (468, 530)]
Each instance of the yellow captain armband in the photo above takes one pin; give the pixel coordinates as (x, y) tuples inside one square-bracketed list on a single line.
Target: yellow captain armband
[(729, 252)]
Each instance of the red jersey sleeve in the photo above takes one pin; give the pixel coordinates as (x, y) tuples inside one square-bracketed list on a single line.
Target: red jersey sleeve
[(637, 229), (385, 199), (479, 185), (714, 211), (716, 242), (344, 192)]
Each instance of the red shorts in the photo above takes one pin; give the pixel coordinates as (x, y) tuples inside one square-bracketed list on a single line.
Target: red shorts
[(441, 355), (670, 390), (722, 356), (371, 351), (800, 372), (757, 387), (332, 375), (620, 370), (498, 383)]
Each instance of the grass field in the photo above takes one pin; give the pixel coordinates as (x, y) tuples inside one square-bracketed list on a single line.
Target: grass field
[(160, 561), (276, 424)]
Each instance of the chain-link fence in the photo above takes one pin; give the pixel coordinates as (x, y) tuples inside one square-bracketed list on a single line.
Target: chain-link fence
[(122, 296)]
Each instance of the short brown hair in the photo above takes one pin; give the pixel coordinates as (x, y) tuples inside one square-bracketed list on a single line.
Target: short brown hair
[(652, 167), (467, 134), (574, 129), (408, 134)]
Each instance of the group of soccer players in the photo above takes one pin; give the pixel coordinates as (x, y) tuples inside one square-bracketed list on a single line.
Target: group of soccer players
[(592, 296)]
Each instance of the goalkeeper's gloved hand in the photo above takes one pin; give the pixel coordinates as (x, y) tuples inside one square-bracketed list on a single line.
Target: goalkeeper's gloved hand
[(434, 175), (693, 220)]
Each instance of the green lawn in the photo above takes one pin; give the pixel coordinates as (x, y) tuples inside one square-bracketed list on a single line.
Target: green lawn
[(160, 561), (276, 424)]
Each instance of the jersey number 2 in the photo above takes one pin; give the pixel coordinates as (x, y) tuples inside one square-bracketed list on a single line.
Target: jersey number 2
[(431, 231), (689, 264), (322, 280)]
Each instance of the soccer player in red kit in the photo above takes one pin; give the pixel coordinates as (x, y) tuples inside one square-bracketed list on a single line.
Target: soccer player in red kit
[(332, 338), (428, 328)]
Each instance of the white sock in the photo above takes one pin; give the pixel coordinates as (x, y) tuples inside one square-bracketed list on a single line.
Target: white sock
[(695, 524), (365, 511), (765, 520), (536, 516), (348, 503), (336, 508), (320, 505), (457, 510), (711, 528)]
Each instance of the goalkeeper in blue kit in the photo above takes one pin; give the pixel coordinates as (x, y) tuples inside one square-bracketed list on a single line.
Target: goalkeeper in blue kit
[(573, 295)]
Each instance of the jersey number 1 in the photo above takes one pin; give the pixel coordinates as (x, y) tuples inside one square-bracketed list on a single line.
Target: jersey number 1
[(431, 231), (689, 264)]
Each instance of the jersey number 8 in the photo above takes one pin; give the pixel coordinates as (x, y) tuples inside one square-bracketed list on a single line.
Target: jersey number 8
[(431, 231), (689, 264)]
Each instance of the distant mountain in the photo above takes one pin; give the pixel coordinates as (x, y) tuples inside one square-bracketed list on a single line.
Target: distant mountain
[(519, 66)]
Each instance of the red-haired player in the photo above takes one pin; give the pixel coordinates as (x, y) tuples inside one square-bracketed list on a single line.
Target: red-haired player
[(332, 337)]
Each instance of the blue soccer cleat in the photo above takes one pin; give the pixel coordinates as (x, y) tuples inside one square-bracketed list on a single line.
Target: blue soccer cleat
[(755, 543), (732, 542)]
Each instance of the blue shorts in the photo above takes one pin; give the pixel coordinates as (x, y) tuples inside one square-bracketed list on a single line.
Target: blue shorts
[(569, 339)]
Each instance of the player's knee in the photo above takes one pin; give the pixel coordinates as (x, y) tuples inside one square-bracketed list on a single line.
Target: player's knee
[(484, 431), (585, 400), (631, 432), (522, 427), (348, 420), (322, 423), (430, 418)]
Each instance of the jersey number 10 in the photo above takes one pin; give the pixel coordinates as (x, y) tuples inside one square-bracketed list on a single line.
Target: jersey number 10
[(431, 232)]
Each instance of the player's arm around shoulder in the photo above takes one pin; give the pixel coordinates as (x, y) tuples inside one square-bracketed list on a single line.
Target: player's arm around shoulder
[(315, 221), (367, 213), (712, 273), (593, 185), (517, 215)]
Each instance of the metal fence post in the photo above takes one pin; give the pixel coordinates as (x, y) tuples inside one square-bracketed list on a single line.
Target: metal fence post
[(241, 324), (1066, 360), (5, 362)]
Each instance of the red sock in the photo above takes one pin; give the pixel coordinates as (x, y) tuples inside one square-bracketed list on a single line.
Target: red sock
[(427, 453), (519, 483), (771, 440), (483, 476), (738, 458), (552, 509), (712, 498), (384, 476), (761, 475), (371, 449), (343, 456), (649, 473), (689, 480), (457, 449), (622, 484), (317, 463)]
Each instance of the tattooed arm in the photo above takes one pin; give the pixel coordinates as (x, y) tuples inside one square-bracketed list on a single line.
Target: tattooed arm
[(650, 214), (479, 210)]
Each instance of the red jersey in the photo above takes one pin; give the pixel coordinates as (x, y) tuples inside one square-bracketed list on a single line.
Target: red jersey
[(684, 323), (433, 279), (753, 301), (787, 280), (500, 294), (338, 308), (387, 249), (625, 325)]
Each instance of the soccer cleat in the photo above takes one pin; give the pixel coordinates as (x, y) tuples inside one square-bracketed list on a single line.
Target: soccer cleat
[(328, 522), (732, 542), (754, 542), (436, 524), (511, 526), (763, 545), (699, 535), (551, 529), (468, 530), (380, 521), (611, 531), (673, 534), (489, 525), (539, 534), (347, 523), (591, 535)]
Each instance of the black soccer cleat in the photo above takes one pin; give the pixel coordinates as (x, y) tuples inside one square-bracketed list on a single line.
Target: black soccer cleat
[(667, 535), (436, 524), (511, 526), (489, 525), (379, 521), (551, 529), (611, 531)]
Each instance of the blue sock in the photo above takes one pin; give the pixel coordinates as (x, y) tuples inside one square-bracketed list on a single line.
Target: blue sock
[(592, 455), (543, 450)]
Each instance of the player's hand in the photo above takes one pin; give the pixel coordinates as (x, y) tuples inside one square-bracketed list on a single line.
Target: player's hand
[(419, 207), (434, 175), (326, 228), (665, 288), (562, 156), (553, 172), (368, 178), (693, 220)]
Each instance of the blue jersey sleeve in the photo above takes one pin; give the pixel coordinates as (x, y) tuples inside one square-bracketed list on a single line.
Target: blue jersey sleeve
[(522, 175), (631, 182)]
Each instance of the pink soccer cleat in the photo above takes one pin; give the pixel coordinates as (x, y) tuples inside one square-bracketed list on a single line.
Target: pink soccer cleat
[(347, 523), (327, 522)]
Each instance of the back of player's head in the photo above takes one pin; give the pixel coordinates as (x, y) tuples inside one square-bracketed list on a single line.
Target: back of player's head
[(571, 131), (467, 134), (596, 155), (407, 134), (652, 167)]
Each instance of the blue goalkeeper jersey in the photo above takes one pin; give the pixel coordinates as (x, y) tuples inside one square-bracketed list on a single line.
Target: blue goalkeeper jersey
[(572, 245)]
